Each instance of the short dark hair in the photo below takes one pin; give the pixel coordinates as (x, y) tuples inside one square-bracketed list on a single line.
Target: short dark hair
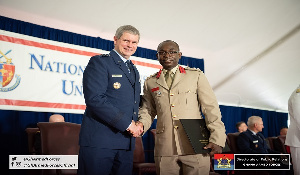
[(166, 41), (238, 124)]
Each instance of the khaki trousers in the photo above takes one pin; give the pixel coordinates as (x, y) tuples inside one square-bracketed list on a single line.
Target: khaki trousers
[(183, 165), (295, 153)]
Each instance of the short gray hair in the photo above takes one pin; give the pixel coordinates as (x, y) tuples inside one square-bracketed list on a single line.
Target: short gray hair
[(127, 28), (253, 119)]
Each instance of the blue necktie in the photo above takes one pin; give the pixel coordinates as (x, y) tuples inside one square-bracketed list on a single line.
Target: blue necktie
[(130, 69), (129, 65)]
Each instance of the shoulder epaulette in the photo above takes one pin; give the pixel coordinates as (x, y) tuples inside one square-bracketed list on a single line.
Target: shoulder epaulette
[(104, 55), (193, 69), (181, 69), (158, 73)]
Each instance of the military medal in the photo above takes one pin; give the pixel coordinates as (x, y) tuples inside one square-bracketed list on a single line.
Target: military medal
[(117, 85)]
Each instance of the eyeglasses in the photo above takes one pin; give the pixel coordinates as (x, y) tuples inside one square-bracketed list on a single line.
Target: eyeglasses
[(171, 53)]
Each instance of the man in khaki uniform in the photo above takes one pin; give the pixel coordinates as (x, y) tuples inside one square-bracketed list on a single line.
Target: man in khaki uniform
[(178, 93)]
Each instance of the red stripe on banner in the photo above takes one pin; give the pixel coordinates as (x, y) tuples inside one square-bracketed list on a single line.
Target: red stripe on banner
[(40, 104), (45, 46), (64, 49)]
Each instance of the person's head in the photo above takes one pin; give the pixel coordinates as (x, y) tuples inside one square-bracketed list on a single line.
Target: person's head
[(255, 124), (283, 131), (241, 126), (168, 54), (126, 40), (56, 118)]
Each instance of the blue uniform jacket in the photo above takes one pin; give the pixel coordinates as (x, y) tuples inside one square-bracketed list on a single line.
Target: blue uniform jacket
[(112, 100), (248, 143)]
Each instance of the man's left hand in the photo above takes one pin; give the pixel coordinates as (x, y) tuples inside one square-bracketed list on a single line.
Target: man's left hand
[(214, 148)]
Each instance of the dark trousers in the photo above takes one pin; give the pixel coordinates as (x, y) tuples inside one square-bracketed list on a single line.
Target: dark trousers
[(93, 161)]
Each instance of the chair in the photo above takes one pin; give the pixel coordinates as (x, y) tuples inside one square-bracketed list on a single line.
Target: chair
[(139, 165), (31, 132), (59, 138), (31, 139), (279, 145), (226, 148), (271, 141), (232, 142)]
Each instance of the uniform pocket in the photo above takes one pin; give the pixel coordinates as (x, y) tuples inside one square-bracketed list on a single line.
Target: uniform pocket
[(160, 129), (189, 98)]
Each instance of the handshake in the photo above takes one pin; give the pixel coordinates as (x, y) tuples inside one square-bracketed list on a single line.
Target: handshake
[(136, 128)]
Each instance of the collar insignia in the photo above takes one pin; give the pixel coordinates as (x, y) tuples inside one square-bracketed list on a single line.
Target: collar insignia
[(181, 69)]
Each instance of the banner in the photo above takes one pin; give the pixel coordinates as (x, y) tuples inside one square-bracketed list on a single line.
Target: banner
[(46, 76)]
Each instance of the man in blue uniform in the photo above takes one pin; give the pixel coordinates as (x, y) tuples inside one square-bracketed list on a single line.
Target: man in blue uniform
[(252, 141), (111, 90)]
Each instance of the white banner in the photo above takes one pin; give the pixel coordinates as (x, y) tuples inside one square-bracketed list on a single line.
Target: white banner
[(46, 76)]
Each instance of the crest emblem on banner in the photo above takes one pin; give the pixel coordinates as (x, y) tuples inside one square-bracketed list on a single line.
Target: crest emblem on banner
[(7, 73)]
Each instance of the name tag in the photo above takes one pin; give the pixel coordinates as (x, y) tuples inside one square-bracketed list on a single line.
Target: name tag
[(255, 141), (116, 75)]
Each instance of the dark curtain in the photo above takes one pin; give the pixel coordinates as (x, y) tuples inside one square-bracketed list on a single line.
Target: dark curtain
[(13, 135), (273, 121)]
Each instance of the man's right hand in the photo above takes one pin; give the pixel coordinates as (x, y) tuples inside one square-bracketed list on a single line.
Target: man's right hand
[(135, 129), (140, 126)]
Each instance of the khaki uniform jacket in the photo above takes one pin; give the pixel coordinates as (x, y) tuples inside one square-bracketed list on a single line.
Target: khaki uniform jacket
[(190, 90)]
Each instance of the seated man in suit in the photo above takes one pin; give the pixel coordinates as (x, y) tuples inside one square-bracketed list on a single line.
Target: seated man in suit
[(252, 141)]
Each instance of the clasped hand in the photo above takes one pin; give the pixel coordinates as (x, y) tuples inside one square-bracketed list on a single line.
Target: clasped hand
[(215, 149), (136, 128)]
